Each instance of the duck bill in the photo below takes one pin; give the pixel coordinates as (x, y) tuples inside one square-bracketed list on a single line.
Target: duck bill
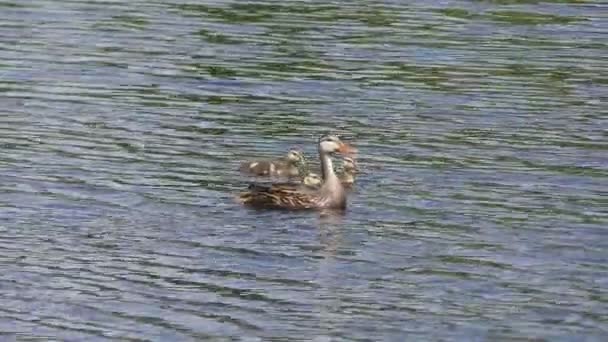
[(347, 149)]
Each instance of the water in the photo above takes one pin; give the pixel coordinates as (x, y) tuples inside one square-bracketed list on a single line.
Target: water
[(480, 212)]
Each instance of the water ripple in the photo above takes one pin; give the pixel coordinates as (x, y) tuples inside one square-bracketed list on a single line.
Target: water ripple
[(479, 211)]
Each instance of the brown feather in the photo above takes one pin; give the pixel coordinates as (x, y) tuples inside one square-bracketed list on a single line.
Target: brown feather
[(271, 197)]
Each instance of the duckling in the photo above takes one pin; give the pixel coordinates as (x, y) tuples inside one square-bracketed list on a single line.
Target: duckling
[(289, 166), (349, 170), (311, 181)]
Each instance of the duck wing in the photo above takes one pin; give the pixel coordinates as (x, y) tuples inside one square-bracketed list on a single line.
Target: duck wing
[(273, 197), (298, 187)]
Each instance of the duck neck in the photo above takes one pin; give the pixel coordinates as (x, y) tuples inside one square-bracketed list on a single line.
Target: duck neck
[(331, 194), (329, 177), (326, 165)]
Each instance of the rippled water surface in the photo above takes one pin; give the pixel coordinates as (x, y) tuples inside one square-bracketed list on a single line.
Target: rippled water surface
[(480, 213)]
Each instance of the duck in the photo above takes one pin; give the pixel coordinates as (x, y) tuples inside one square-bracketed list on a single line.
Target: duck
[(292, 165), (349, 170), (331, 195), (312, 181)]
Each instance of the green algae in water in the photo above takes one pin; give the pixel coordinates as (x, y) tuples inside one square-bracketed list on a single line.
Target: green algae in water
[(457, 13), (216, 38), (527, 18)]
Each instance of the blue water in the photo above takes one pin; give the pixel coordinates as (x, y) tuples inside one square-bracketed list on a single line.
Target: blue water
[(480, 211)]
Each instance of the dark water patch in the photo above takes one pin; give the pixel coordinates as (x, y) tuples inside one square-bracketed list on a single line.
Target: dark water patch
[(457, 13), (130, 21), (526, 18), (216, 38), (234, 15)]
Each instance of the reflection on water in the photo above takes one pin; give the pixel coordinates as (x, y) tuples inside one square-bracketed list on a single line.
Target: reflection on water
[(479, 211), (330, 225)]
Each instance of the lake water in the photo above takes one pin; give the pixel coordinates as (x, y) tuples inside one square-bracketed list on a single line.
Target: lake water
[(480, 212)]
